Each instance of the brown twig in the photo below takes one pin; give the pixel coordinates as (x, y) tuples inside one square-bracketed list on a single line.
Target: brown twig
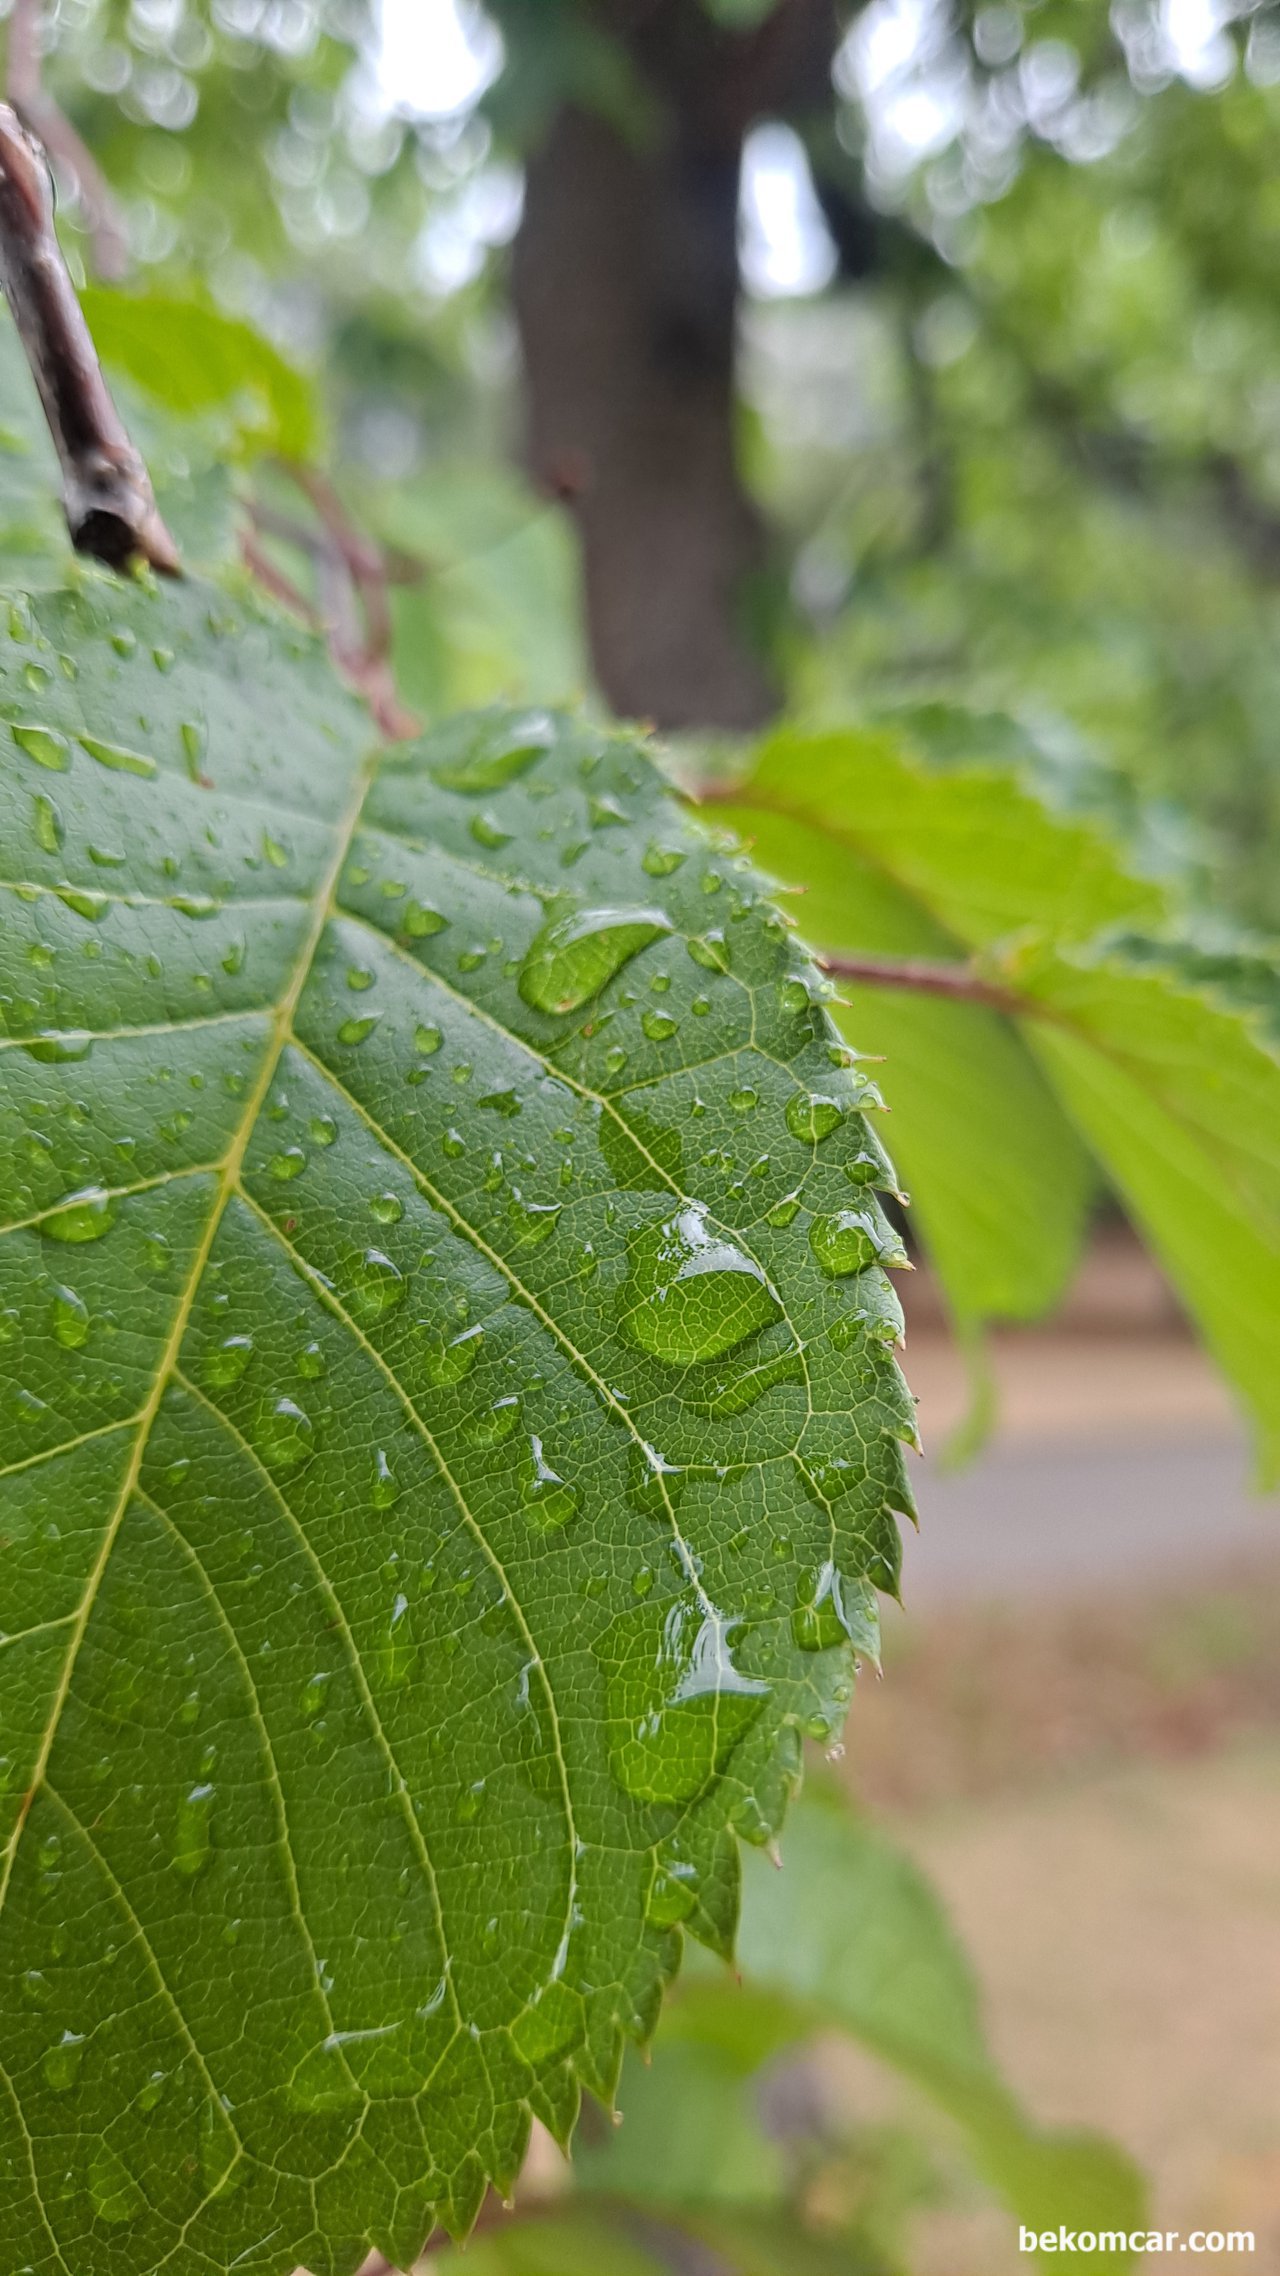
[(959, 982), (106, 492), (351, 583), (44, 118)]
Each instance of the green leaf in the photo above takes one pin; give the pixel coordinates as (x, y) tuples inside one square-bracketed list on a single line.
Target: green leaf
[(1180, 1097), (450, 1445), (898, 863), (33, 530), (191, 358)]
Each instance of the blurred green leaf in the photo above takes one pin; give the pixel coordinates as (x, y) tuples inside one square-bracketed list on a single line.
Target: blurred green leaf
[(851, 1934), (188, 356), (900, 863), (1180, 1098)]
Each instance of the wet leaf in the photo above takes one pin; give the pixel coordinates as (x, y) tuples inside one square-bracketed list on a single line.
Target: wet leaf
[(438, 1461)]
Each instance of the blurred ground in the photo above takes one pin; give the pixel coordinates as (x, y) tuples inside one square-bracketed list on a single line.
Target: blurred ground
[(1078, 1735)]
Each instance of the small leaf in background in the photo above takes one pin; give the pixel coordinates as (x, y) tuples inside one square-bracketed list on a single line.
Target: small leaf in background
[(1180, 1098), (1134, 1052), (191, 358)]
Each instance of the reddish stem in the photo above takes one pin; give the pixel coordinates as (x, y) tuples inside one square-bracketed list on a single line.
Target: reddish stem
[(958, 981)]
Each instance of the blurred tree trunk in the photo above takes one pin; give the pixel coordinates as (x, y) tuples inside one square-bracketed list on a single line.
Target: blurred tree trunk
[(626, 294)]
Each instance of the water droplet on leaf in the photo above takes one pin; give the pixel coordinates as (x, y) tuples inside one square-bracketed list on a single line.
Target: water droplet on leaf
[(113, 2193), (833, 1610), (572, 959), (498, 755), (83, 1216), (285, 1435), (116, 757), (48, 824), (61, 2064), (675, 1702), (228, 1362), (850, 1239), (377, 1286), (193, 1840), (42, 744), (420, 922), (70, 1318), (709, 952), (548, 1501), (447, 1363), (811, 1118), (692, 1294), (532, 1222)]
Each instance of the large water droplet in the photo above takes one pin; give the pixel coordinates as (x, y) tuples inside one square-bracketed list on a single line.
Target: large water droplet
[(532, 1222), (833, 1610), (285, 1435), (691, 1294), (710, 952), (83, 1216), (57, 1050), (571, 960), (384, 1492), (420, 922), (493, 1425), (113, 2191), (376, 1287), (193, 1839), (447, 1362), (43, 745), (115, 756), (70, 1318), (811, 1119), (499, 753), (548, 1501), (660, 861), (734, 1392), (659, 1026), (287, 1165), (84, 902), (850, 1239), (228, 1362), (193, 738), (675, 1703), (427, 1040), (353, 1031), (48, 824), (61, 2064)]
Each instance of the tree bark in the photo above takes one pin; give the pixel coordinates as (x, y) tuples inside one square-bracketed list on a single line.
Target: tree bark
[(627, 297)]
